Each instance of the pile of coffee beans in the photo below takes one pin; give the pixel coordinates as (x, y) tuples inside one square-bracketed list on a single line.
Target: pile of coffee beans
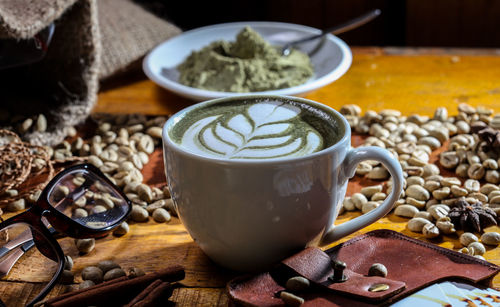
[(427, 196)]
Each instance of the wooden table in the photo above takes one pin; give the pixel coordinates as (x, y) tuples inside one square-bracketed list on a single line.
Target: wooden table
[(411, 80)]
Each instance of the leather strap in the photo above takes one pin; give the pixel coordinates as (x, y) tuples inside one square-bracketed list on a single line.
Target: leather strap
[(315, 265)]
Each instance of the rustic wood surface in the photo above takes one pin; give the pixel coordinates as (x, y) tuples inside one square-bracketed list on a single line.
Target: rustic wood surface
[(413, 81)]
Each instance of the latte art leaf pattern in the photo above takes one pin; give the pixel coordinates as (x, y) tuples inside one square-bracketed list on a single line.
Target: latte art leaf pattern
[(264, 130)]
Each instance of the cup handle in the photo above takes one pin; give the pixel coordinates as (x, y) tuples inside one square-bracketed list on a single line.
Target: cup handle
[(352, 159)]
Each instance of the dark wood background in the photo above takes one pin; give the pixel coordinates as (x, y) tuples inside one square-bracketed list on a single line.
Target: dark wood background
[(448, 23)]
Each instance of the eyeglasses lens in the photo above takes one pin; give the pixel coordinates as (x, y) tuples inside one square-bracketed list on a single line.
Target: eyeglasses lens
[(21, 261), (88, 200)]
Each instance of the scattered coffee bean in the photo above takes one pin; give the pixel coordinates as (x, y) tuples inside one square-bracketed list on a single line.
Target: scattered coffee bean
[(139, 214), (68, 262), (93, 273), (416, 224), (430, 231), (291, 299), (477, 248), (16, 205), (67, 277), (114, 273), (85, 246), (135, 272), (377, 269), (86, 284), (467, 238), (491, 238), (297, 284), (122, 229), (161, 215), (406, 211), (106, 265)]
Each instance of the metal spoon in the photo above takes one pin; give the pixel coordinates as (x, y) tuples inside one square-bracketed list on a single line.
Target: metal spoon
[(344, 27)]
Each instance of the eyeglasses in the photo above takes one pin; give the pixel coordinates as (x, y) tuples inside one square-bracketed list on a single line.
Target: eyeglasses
[(80, 202)]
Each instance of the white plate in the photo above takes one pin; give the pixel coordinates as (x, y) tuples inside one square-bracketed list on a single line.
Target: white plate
[(330, 57)]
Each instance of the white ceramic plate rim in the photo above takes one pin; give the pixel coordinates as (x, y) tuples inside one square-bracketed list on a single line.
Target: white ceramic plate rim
[(200, 94)]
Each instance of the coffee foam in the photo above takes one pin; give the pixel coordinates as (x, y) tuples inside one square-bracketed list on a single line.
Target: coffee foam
[(261, 130)]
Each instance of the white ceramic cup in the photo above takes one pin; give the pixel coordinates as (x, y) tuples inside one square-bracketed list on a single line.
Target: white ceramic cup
[(248, 215)]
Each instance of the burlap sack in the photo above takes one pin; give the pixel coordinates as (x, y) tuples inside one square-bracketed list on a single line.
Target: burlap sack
[(128, 32), (63, 86)]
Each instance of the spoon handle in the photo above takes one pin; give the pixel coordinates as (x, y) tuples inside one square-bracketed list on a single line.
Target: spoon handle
[(344, 27)]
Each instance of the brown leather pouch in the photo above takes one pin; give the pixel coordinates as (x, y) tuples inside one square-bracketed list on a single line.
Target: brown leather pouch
[(411, 264)]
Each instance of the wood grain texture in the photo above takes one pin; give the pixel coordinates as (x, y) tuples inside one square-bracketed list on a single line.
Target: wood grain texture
[(414, 83), (376, 80)]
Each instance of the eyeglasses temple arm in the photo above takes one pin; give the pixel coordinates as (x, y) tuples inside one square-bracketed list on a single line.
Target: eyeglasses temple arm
[(22, 238), (7, 264)]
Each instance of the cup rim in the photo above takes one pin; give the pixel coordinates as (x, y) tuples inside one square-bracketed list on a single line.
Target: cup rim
[(173, 119)]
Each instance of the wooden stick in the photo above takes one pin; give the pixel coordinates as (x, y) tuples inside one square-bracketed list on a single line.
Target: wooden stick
[(155, 297), (144, 292)]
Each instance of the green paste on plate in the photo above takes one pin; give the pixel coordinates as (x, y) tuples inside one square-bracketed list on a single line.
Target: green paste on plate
[(250, 64)]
